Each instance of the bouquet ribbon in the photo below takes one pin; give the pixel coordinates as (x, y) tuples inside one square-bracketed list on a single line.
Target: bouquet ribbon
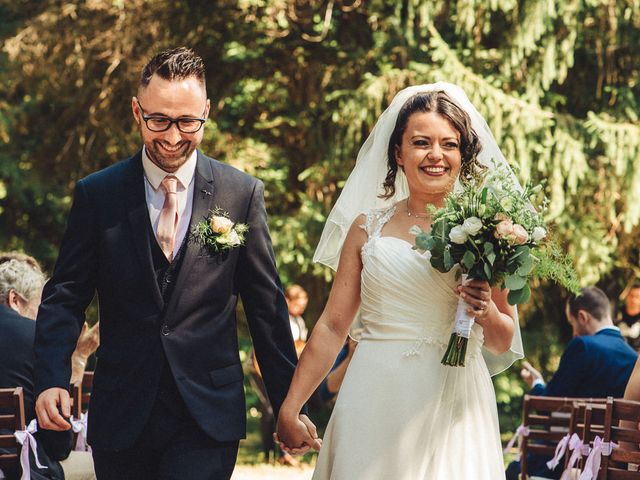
[(28, 441)]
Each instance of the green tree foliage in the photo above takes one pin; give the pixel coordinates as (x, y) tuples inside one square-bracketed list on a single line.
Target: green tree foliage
[(296, 85)]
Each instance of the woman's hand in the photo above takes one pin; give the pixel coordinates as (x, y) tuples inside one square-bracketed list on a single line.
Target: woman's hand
[(296, 434), (492, 312), (477, 294)]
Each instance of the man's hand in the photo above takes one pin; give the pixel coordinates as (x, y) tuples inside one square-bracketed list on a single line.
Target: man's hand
[(47, 405), (530, 374), (296, 434)]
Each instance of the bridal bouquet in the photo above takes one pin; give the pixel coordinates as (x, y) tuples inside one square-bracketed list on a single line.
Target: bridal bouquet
[(491, 230)]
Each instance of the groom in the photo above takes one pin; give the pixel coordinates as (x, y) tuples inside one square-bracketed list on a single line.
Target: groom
[(168, 399)]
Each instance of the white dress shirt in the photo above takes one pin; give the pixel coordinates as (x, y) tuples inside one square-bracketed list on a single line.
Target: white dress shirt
[(154, 194)]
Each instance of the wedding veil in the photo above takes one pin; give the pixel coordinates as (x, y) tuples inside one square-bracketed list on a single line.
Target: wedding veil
[(362, 190)]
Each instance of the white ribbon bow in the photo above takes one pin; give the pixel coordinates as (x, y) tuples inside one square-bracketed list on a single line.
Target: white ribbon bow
[(579, 449), (28, 441), (79, 426), (560, 450), (521, 432)]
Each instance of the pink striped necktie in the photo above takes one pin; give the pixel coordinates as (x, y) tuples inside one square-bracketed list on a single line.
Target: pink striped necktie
[(168, 222)]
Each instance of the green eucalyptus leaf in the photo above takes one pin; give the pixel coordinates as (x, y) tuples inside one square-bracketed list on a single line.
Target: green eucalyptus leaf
[(515, 282), (516, 297), (468, 259)]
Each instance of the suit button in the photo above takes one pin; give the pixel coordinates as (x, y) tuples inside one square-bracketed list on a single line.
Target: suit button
[(165, 330)]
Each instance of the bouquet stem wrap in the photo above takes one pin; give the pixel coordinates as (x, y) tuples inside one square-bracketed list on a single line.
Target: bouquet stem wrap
[(457, 349)]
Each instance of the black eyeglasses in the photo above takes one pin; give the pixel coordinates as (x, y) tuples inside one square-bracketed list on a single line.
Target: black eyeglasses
[(157, 123)]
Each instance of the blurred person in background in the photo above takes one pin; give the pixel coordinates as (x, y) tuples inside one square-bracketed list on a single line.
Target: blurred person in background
[(628, 318), (21, 283)]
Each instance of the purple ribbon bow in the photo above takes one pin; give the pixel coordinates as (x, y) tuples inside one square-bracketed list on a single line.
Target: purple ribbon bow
[(521, 432), (592, 465), (579, 449), (28, 441)]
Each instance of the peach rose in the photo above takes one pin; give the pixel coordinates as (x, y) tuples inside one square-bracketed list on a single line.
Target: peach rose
[(520, 234), (504, 229), (221, 225)]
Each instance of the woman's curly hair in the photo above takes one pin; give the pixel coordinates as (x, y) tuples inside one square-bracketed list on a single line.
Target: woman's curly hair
[(438, 102)]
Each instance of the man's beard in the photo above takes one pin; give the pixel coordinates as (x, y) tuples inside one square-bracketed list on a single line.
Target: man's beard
[(169, 163)]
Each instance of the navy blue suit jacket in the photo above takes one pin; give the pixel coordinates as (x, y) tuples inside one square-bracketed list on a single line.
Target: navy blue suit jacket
[(106, 250), (592, 366)]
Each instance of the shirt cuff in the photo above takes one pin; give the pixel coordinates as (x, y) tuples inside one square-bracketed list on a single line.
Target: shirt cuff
[(537, 382)]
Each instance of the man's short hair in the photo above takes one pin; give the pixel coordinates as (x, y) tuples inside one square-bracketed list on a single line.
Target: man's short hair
[(593, 301), (174, 64), (21, 276)]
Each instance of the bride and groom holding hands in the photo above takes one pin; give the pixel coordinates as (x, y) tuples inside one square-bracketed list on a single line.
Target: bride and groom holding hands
[(169, 238)]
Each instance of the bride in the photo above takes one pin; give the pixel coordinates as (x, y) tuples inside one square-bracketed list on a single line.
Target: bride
[(400, 414)]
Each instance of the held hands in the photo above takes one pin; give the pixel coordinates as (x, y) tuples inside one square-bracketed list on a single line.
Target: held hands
[(296, 434), (53, 409)]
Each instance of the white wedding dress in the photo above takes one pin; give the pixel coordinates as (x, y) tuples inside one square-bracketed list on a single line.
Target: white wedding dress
[(400, 414)]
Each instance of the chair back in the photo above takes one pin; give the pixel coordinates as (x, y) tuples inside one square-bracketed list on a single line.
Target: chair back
[(624, 431), (87, 386), (11, 419), (547, 420)]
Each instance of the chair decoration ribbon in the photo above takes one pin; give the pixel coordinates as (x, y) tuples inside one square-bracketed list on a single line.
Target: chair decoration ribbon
[(561, 448), (520, 433), (28, 441), (579, 449), (592, 465), (79, 426)]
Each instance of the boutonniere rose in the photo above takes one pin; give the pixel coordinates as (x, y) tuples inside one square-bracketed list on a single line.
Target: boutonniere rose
[(219, 233)]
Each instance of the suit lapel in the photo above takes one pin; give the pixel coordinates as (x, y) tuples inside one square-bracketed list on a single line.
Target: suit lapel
[(139, 221), (203, 195)]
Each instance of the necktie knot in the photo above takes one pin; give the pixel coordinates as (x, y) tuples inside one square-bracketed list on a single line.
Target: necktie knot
[(170, 184)]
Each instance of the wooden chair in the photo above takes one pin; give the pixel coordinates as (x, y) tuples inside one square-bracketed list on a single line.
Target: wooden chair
[(12, 419), (87, 386), (621, 418), (549, 420)]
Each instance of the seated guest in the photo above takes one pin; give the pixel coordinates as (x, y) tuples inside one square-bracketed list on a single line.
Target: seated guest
[(21, 282), (596, 363), (629, 317)]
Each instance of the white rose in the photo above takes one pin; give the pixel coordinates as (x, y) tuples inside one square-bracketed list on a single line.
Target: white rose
[(538, 234), (472, 225), (458, 234), (220, 225), (230, 238), (234, 239)]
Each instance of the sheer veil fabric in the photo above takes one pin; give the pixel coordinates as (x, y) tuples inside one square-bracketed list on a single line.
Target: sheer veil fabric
[(364, 185)]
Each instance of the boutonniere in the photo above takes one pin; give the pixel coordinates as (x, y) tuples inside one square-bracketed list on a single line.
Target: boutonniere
[(219, 233)]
